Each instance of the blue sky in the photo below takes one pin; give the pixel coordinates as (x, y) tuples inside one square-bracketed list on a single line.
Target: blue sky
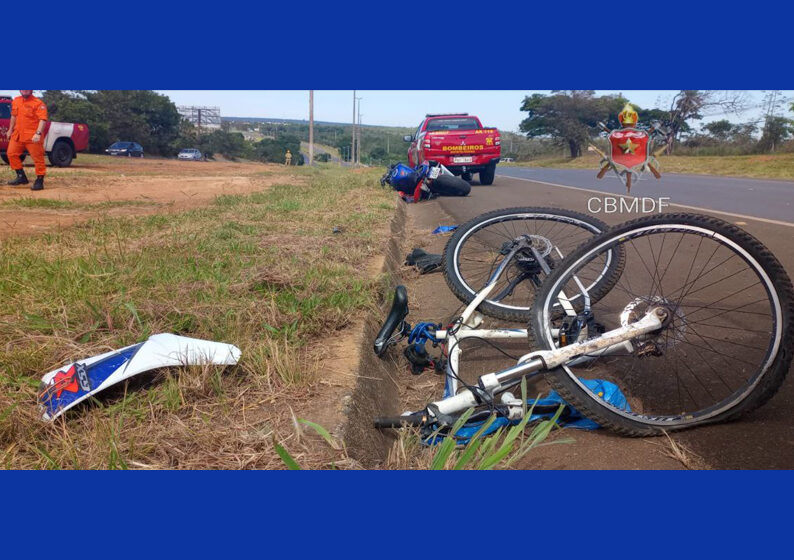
[(403, 108)]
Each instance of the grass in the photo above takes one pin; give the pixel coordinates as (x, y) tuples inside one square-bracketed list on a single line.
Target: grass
[(57, 204), (679, 452), (40, 203), (502, 448), (263, 271), (769, 166), (101, 166)]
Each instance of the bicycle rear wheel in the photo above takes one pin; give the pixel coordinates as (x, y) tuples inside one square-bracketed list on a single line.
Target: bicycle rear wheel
[(726, 347), (477, 247)]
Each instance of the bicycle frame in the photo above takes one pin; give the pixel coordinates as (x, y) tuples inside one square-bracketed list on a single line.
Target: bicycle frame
[(535, 362), (470, 320)]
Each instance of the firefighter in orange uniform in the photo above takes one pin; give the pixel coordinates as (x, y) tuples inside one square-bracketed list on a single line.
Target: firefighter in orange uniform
[(26, 132)]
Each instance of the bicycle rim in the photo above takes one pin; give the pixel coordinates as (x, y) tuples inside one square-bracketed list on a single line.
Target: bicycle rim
[(722, 291), (482, 247)]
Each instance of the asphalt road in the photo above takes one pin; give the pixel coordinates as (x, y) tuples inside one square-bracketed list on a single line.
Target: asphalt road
[(763, 439), (768, 199)]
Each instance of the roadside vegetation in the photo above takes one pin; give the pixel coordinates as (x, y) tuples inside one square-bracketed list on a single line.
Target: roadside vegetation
[(152, 120), (558, 124), (761, 166), (264, 271)]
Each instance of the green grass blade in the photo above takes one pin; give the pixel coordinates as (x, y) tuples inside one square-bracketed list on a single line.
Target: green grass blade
[(448, 445), (321, 431), (474, 444), (444, 451), (286, 457)]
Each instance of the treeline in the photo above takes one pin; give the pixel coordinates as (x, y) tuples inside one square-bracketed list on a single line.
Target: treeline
[(570, 118), (152, 120), (379, 145)]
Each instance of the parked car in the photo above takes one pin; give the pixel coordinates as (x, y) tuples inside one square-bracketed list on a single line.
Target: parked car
[(62, 140), (459, 142), (129, 149), (190, 154)]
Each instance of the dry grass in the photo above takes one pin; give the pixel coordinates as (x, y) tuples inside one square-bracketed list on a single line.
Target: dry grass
[(262, 271), (679, 452), (769, 166)]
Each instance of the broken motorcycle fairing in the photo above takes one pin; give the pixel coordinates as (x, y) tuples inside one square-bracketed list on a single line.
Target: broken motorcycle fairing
[(65, 387)]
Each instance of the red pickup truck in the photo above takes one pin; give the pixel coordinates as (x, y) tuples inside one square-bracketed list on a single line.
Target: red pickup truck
[(62, 141), (459, 142)]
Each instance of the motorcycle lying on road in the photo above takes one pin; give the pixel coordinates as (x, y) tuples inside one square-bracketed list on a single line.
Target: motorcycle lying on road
[(425, 181)]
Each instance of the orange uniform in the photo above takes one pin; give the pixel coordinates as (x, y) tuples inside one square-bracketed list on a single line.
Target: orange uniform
[(28, 112)]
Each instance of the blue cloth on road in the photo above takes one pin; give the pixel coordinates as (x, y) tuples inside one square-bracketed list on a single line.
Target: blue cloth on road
[(444, 229)]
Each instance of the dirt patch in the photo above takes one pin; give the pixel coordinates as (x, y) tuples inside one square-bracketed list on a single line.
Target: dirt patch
[(128, 187)]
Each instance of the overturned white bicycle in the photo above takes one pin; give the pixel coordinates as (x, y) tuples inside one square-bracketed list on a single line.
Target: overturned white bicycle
[(690, 316)]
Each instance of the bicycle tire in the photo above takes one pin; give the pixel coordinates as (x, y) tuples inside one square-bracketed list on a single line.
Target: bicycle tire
[(466, 289), (753, 388)]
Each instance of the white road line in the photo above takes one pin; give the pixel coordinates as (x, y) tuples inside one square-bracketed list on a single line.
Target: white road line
[(698, 208)]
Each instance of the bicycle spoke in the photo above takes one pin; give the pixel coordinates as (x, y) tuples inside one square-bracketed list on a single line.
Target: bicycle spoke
[(719, 326)]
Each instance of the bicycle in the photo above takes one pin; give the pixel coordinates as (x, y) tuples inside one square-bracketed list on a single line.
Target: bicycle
[(645, 305)]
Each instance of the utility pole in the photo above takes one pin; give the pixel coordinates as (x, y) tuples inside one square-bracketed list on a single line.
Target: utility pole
[(353, 140), (358, 130), (311, 127)]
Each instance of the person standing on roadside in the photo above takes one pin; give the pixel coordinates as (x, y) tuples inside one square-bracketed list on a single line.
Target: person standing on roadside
[(288, 158), (26, 132)]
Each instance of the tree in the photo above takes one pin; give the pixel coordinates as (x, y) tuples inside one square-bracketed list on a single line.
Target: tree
[(146, 117), (378, 154), (692, 104), (776, 130), (721, 130), (142, 116), (273, 150), (744, 134), (569, 117), (74, 106)]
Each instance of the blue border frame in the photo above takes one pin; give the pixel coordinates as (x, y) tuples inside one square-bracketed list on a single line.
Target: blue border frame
[(705, 45), (398, 514), (433, 45)]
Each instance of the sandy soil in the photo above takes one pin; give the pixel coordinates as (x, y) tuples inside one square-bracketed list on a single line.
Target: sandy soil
[(122, 187)]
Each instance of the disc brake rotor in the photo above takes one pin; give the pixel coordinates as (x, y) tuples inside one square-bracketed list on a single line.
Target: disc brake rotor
[(673, 332)]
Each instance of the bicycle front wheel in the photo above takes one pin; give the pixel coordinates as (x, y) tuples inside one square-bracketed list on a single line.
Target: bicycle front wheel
[(724, 348), (477, 248)]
